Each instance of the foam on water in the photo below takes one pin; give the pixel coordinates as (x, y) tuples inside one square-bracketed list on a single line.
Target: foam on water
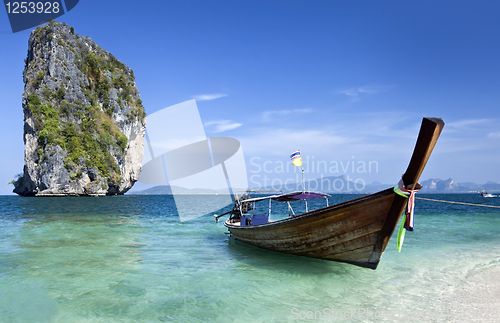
[(129, 258)]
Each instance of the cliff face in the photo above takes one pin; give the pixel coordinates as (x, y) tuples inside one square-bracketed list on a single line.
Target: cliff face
[(83, 118)]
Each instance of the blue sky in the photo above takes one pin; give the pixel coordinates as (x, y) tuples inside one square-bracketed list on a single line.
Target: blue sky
[(341, 80)]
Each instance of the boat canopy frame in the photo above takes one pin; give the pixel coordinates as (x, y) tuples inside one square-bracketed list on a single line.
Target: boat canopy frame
[(288, 197)]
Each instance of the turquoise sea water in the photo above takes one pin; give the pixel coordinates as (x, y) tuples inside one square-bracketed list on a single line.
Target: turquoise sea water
[(130, 259)]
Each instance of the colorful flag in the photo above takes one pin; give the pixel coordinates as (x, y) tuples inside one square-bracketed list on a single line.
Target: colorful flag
[(296, 158)]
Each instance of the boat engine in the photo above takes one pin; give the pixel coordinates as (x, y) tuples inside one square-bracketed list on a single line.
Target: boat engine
[(240, 201)]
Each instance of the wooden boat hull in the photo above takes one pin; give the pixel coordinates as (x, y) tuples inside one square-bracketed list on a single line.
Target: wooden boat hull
[(356, 231), (351, 232)]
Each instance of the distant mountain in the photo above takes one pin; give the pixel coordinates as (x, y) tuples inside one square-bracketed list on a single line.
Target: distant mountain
[(330, 184), (341, 184), (437, 185), (376, 187), (167, 190), (155, 190), (469, 185), (490, 187)]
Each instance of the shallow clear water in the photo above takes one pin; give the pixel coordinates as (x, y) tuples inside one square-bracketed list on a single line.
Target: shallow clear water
[(130, 259)]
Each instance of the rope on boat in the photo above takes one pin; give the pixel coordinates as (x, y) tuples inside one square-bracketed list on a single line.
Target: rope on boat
[(407, 221), (463, 203)]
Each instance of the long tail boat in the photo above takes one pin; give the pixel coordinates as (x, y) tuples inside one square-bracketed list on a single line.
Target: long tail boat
[(355, 232)]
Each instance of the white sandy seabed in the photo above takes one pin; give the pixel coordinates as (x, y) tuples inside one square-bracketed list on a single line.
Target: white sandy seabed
[(478, 298)]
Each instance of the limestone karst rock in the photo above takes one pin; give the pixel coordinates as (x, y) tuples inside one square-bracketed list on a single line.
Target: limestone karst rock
[(84, 122)]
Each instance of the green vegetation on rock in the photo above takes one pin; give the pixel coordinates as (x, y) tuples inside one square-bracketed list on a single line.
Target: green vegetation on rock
[(87, 142)]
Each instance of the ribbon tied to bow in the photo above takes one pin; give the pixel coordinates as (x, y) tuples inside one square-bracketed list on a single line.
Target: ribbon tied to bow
[(407, 221)]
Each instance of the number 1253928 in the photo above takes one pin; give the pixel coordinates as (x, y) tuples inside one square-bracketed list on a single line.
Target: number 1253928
[(32, 7)]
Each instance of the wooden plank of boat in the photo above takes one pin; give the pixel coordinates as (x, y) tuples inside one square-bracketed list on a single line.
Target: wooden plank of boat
[(356, 231)]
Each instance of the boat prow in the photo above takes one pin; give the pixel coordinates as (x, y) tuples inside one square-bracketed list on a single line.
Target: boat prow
[(355, 232)]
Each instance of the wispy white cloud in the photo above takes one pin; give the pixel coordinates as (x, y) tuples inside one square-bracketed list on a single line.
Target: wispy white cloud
[(360, 90), (281, 141), (386, 138), (463, 124), (468, 135), (371, 137), (222, 125), (471, 127), (355, 91), (268, 115), (207, 97)]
